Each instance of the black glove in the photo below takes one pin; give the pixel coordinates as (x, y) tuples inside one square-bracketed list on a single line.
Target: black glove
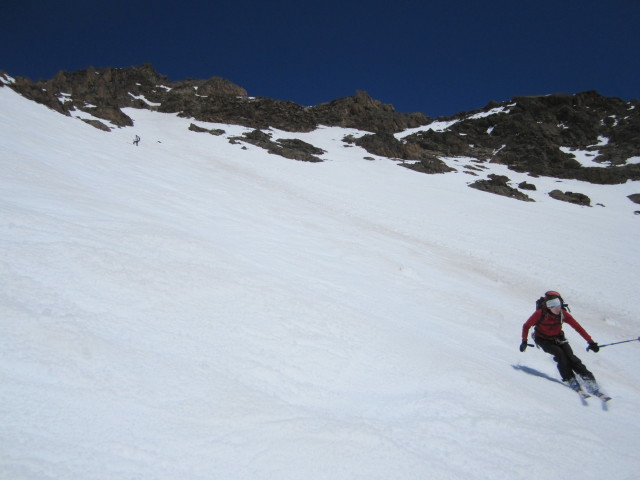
[(593, 346), (523, 346)]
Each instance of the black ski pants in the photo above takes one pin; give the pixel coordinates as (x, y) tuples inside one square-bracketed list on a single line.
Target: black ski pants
[(567, 361)]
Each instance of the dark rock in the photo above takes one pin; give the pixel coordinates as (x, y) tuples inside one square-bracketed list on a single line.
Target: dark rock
[(37, 93), (294, 149), (97, 124), (216, 131), (527, 186), (635, 197), (297, 149), (498, 184), (111, 114), (430, 165), (448, 143), (257, 113), (364, 113), (604, 175), (382, 144), (571, 197)]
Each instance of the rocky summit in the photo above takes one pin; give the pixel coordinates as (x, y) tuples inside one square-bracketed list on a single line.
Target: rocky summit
[(539, 135)]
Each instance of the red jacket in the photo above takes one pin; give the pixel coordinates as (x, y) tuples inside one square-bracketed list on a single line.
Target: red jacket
[(551, 326)]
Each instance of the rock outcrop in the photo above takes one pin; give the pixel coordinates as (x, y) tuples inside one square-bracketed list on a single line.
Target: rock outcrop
[(541, 135), (105, 92)]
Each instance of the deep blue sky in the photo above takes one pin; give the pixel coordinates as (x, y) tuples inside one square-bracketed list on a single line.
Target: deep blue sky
[(438, 58)]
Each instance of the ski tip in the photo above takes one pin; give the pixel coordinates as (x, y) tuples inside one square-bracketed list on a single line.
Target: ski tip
[(602, 396)]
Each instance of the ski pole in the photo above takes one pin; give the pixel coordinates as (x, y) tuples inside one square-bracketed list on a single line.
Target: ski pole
[(623, 341)]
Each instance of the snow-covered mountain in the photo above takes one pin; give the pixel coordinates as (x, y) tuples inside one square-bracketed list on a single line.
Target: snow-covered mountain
[(197, 308), (582, 136)]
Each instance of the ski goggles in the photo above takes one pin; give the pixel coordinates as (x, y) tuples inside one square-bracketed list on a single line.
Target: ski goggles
[(554, 303)]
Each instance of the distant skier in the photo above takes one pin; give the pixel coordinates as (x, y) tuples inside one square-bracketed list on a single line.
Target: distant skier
[(548, 335), (136, 140)]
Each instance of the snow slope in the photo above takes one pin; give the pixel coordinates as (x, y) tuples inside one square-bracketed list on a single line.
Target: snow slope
[(194, 309)]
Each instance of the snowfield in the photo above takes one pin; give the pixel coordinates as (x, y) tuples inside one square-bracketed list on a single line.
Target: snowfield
[(192, 308)]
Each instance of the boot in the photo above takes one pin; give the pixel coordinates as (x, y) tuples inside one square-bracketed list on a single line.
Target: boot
[(592, 386), (573, 384)]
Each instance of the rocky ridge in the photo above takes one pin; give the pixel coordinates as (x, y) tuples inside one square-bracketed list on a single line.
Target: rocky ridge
[(104, 92), (539, 135)]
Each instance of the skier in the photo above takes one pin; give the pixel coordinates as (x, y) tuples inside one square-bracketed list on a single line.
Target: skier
[(548, 335), (136, 140)]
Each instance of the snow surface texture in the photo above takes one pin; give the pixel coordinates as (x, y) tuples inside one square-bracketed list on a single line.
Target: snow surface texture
[(192, 309)]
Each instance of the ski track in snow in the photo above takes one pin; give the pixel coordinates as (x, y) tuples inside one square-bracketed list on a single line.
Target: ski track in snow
[(189, 308)]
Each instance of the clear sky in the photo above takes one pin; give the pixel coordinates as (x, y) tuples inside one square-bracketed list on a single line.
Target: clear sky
[(436, 57)]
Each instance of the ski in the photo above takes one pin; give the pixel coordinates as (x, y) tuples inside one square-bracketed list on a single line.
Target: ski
[(583, 395), (594, 389), (576, 387), (605, 398)]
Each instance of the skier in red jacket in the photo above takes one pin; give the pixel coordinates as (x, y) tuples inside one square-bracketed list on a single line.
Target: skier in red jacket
[(549, 336)]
